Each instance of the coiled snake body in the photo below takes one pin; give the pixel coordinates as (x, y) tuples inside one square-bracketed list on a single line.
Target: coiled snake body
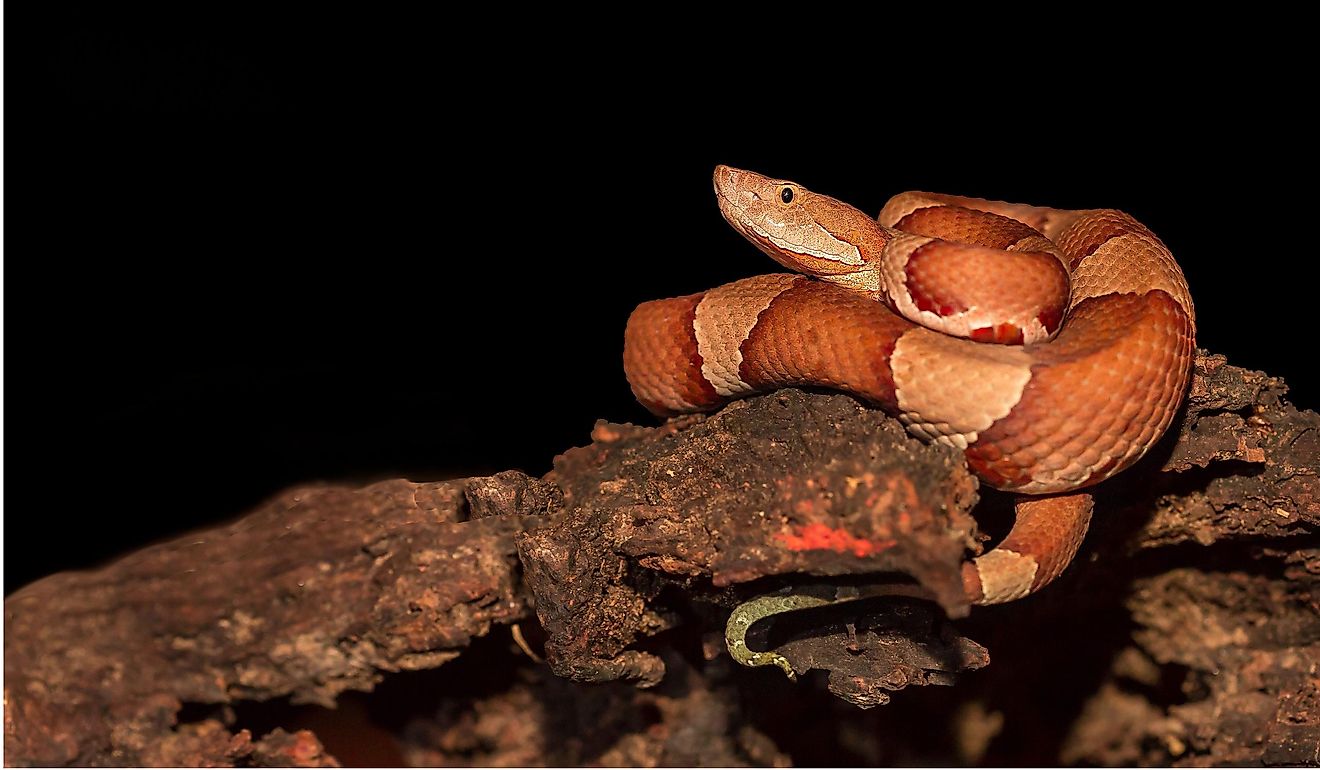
[(956, 316)]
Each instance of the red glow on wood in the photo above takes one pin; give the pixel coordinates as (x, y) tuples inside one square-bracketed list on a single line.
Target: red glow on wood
[(819, 537)]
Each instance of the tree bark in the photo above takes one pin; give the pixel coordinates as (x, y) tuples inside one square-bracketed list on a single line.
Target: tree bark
[(1187, 632)]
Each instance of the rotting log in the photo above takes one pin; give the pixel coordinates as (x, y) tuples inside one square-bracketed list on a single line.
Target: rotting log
[(1188, 632)]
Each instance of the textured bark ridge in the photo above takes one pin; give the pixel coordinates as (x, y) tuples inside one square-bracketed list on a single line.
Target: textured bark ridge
[(458, 622)]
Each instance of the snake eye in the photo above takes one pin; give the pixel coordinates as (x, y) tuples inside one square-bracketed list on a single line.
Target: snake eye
[(786, 195)]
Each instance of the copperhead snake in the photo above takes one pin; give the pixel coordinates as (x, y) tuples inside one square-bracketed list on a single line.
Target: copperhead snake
[(1051, 346)]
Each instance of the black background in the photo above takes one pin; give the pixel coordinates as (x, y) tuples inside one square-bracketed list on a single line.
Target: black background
[(242, 260)]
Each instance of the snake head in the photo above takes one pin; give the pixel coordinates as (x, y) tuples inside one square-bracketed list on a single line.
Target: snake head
[(801, 230)]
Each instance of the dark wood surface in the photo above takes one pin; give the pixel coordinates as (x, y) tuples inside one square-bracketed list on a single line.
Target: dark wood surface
[(1186, 632)]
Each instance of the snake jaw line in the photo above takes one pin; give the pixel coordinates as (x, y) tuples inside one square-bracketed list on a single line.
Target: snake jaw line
[(809, 232)]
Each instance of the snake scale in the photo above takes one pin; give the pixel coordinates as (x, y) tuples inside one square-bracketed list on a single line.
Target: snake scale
[(1051, 346)]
